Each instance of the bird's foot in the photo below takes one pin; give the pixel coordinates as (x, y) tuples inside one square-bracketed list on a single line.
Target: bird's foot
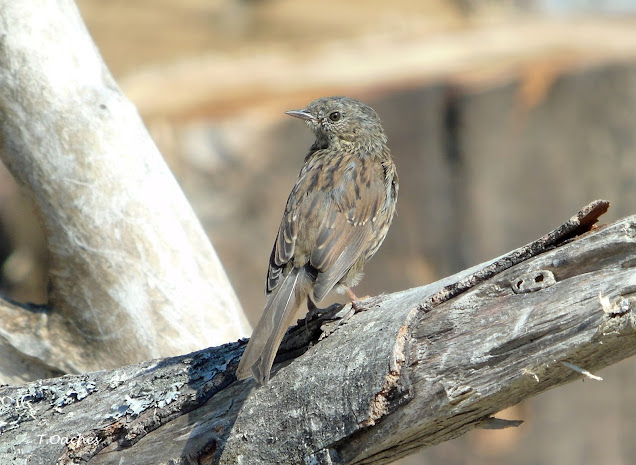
[(360, 305), (356, 302), (345, 312)]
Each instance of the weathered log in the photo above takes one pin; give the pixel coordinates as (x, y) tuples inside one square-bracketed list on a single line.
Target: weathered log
[(418, 367)]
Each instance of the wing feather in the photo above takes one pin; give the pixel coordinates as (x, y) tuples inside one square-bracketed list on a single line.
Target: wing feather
[(329, 220)]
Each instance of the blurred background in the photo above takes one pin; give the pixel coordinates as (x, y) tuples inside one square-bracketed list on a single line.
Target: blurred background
[(504, 119)]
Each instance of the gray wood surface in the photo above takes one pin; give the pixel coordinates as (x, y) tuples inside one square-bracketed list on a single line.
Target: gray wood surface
[(413, 370)]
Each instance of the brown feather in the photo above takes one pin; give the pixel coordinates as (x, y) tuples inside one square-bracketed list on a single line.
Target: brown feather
[(336, 217)]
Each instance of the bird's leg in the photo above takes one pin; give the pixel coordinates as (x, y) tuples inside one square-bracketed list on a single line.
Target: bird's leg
[(356, 303)]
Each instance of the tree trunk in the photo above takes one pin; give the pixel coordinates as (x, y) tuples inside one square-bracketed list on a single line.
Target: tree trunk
[(418, 367), (133, 275)]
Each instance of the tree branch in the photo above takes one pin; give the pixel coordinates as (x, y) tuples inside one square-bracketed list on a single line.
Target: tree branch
[(409, 372), (133, 275)]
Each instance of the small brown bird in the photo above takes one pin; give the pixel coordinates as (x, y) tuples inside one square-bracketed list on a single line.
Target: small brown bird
[(336, 218)]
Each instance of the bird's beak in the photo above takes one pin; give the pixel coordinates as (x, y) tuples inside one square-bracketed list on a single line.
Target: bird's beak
[(302, 114)]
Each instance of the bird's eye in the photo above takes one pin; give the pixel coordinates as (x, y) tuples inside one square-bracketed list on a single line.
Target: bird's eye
[(335, 116)]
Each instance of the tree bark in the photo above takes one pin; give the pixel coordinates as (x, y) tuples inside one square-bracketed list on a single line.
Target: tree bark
[(133, 275), (418, 367)]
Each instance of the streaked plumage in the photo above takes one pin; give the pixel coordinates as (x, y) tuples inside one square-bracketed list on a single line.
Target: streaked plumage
[(336, 217)]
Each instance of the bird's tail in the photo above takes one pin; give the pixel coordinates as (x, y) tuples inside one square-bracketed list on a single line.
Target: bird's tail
[(266, 337)]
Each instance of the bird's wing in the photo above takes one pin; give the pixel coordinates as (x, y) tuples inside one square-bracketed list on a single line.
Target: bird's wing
[(304, 213), (299, 210), (329, 220), (346, 232)]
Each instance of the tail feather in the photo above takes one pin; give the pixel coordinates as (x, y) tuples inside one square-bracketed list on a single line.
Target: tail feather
[(266, 337)]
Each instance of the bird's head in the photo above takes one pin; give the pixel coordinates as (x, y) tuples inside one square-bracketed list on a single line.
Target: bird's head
[(342, 122)]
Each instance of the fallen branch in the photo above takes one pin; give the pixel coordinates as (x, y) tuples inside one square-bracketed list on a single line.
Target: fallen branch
[(411, 371)]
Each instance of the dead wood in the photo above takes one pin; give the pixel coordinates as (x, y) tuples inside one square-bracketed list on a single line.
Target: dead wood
[(411, 371)]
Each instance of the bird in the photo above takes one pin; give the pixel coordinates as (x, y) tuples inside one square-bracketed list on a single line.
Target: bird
[(336, 218)]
